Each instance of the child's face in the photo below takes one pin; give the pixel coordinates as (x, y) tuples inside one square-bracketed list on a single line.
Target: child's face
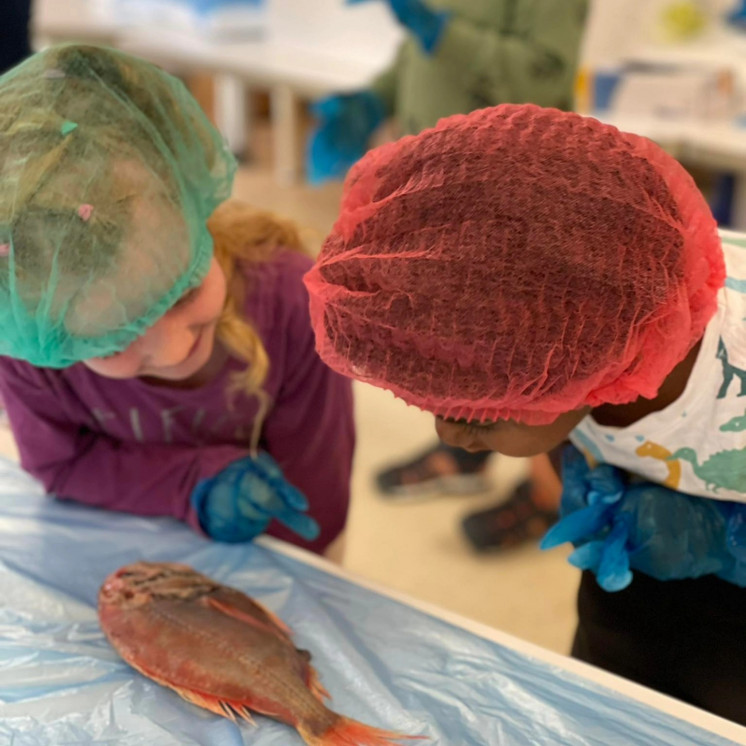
[(179, 344), (509, 437)]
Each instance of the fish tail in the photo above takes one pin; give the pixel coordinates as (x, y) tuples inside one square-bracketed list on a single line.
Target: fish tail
[(346, 732)]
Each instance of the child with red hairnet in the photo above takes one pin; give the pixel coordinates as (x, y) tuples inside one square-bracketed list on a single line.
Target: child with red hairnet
[(529, 276)]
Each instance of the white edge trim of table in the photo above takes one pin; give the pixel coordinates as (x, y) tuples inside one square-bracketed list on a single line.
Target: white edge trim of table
[(670, 706)]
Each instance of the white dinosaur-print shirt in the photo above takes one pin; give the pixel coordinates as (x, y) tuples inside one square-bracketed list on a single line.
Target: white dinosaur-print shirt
[(697, 445)]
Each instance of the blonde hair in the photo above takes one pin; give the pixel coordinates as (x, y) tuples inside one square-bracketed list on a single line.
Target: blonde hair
[(243, 235)]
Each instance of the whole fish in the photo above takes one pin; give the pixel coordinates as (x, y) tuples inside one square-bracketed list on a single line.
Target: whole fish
[(220, 650)]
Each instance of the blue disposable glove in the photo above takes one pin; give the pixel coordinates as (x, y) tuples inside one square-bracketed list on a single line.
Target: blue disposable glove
[(617, 527), (423, 23), (738, 15), (346, 123), (238, 504)]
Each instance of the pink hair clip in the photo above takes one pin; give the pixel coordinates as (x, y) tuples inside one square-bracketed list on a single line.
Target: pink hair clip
[(85, 212), (4, 249)]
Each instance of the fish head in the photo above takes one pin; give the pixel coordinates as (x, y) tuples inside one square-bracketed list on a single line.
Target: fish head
[(139, 583)]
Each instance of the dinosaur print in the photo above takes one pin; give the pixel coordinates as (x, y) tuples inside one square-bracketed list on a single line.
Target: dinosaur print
[(653, 450), (722, 470), (729, 372), (735, 425)]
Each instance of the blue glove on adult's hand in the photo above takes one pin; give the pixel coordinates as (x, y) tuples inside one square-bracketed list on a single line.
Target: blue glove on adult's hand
[(422, 22), (617, 527), (738, 15), (346, 123), (425, 24), (238, 504)]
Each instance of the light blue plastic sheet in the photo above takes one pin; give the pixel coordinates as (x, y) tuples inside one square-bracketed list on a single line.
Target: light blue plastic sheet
[(384, 663)]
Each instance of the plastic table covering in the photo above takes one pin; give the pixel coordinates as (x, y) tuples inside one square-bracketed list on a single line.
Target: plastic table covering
[(384, 661)]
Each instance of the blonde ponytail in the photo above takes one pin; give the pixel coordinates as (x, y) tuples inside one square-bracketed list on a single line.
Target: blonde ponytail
[(242, 234)]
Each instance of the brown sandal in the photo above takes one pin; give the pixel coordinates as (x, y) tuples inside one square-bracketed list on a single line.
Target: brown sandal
[(508, 525), (439, 470)]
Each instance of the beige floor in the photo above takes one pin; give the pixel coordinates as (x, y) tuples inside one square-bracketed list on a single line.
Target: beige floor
[(417, 547)]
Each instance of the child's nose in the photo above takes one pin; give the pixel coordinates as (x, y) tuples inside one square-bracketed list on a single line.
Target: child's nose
[(454, 435), (448, 432)]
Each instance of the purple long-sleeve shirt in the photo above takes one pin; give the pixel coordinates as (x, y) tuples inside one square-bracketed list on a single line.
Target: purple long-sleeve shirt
[(139, 448)]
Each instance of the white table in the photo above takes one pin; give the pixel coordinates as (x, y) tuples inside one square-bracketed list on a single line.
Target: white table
[(720, 147), (717, 145), (342, 50), (291, 74), (315, 48)]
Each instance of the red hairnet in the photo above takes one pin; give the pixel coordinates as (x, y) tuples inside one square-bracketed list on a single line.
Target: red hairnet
[(519, 263)]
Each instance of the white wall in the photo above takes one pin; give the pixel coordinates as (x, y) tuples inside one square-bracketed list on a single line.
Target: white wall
[(617, 28)]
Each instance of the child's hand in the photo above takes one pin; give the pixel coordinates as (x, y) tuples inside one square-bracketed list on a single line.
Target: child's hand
[(238, 504), (590, 500), (617, 527)]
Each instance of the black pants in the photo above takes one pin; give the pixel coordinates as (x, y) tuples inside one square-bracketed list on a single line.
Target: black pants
[(684, 638), (14, 32)]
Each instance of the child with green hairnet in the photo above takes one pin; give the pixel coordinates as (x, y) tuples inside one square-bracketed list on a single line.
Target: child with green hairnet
[(527, 276), (156, 355)]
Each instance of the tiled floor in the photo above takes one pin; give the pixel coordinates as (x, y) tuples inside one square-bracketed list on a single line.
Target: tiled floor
[(417, 547)]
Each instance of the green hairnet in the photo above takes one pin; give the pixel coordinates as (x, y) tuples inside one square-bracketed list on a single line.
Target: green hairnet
[(109, 171)]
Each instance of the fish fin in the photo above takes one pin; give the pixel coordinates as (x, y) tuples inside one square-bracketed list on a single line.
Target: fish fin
[(200, 700), (228, 711), (207, 702), (250, 606), (277, 621), (316, 687), (346, 732), (281, 631), (276, 627)]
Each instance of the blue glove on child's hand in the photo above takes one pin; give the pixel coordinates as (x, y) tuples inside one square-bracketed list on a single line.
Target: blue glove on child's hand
[(617, 527), (425, 24), (346, 123), (238, 504)]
